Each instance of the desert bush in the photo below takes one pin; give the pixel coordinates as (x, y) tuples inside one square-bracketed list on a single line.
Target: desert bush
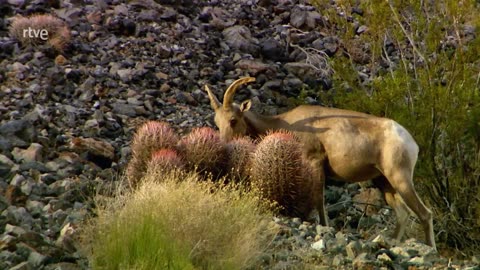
[(178, 223), (57, 30), (424, 57), (148, 138), (239, 151), (204, 152), (280, 174)]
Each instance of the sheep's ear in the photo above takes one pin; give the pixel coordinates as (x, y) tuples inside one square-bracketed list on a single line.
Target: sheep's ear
[(246, 105)]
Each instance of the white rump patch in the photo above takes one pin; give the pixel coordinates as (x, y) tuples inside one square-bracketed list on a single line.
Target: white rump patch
[(405, 138)]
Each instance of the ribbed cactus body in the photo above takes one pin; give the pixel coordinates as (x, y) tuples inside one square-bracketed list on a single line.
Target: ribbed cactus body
[(239, 151), (204, 151), (165, 161), (280, 173), (150, 137)]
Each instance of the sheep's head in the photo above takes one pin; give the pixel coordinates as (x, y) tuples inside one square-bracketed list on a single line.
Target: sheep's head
[(229, 116)]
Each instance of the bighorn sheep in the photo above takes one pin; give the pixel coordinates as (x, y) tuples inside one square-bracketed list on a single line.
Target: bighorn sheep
[(345, 145)]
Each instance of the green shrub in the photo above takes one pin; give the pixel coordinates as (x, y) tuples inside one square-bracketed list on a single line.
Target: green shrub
[(179, 223), (431, 86), (137, 242)]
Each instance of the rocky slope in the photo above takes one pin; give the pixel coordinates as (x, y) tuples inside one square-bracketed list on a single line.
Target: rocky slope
[(66, 118)]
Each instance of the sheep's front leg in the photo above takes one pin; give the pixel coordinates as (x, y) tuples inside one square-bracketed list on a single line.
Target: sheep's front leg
[(318, 190)]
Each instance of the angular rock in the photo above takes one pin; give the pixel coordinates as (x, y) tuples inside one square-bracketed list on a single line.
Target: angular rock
[(302, 70), (304, 19), (415, 248), (17, 180), (252, 66), (319, 245), (369, 200), (32, 153), (33, 165), (6, 165), (341, 239), (273, 85), (400, 252), (16, 2), (63, 266), (7, 242), (325, 230), (124, 109), (239, 37), (8, 258), (125, 75), (66, 240), (20, 133), (331, 46), (14, 230), (362, 29), (35, 207), (382, 241), (18, 216), (363, 262), (219, 17), (40, 112), (15, 196), (3, 203), (36, 259), (93, 146), (353, 249), (384, 258), (5, 144), (338, 260), (22, 266), (272, 49)]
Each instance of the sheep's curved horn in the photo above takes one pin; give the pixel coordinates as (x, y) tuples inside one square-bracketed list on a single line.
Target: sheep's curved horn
[(228, 97), (213, 99)]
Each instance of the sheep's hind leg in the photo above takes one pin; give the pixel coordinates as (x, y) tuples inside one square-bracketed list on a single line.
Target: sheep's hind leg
[(319, 190), (402, 183), (394, 200)]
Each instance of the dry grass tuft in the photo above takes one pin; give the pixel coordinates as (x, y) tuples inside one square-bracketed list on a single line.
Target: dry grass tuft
[(58, 32), (179, 223)]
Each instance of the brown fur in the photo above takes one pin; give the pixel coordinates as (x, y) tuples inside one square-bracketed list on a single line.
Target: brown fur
[(346, 145)]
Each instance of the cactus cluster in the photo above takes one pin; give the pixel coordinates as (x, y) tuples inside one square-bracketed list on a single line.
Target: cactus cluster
[(280, 174), (155, 146), (275, 167)]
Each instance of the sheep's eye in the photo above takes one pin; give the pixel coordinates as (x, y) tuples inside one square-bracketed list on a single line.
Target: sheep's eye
[(233, 122)]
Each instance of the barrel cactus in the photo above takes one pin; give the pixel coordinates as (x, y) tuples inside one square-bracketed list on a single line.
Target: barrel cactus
[(151, 136), (280, 174), (164, 161), (239, 151), (204, 151)]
